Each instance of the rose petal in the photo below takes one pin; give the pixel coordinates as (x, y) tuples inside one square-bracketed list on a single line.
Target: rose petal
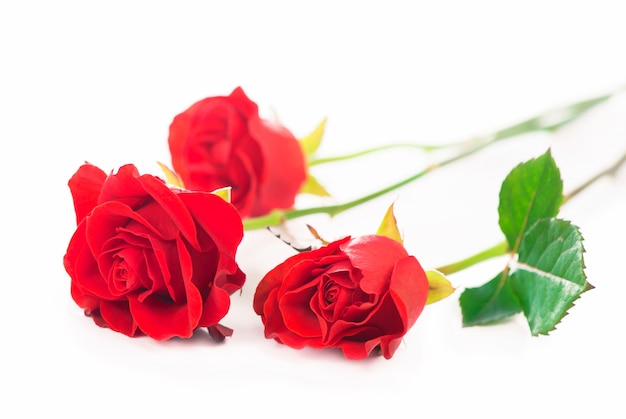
[(106, 218), (219, 332), (76, 245), (244, 104), (124, 187), (397, 312), (275, 327), (151, 262), (383, 319), (167, 275), (388, 346), (152, 274), (296, 312), (244, 179), (117, 316), (272, 317), (205, 138), (284, 166), (161, 318), (169, 202), (178, 136), (409, 289), (85, 186), (216, 217), (383, 326), (83, 300), (358, 350), (85, 272), (375, 256), (216, 306), (151, 195), (274, 278), (221, 141)]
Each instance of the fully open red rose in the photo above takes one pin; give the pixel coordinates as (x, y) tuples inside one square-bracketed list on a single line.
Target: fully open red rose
[(355, 294), (148, 259), (221, 141)]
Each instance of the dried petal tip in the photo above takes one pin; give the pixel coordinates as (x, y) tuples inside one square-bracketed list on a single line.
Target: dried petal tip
[(219, 332)]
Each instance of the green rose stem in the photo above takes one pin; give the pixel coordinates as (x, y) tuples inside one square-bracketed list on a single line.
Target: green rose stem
[(423, 147), (502, 248), (278, 217), (548, 121)]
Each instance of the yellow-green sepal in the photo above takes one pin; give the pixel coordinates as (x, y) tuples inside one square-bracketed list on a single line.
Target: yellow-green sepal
[(311, 142), (223, 193), (313, 187), (170, 176), (438, 286), (389, 226)]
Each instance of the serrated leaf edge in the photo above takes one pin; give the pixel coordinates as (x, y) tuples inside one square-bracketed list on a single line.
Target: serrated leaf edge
[(584, 288)]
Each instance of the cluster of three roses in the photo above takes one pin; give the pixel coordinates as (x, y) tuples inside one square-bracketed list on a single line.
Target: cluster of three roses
[(150, 258)]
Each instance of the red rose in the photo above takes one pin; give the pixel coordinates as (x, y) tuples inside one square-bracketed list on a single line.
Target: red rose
[(221, 141), (147, 259), (355, 294)]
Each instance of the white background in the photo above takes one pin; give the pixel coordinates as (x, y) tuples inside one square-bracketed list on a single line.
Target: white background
[(101, 81)]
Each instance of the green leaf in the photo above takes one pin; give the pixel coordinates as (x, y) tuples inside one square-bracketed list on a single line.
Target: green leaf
[(389, 226), (545, 272), (439, 287), (311, 142), (550, 273), (313, 187), (533, 190), (490, 302)]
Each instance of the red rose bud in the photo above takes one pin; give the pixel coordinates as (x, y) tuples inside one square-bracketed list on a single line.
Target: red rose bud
[(147, 259), (359, 295), (221, 141)]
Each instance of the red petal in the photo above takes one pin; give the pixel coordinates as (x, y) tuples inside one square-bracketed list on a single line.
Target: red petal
[(283, 164), (219, 332), (409, 289), (177, 141), (123, 186), (274, 278), (215, 307), (243, 103), (243, 176), (170, 203), (375, 256), (83, 268), (163, 266), (220, 220), (83, 300), (202, 139), (85, 186), (118, 318), (296, 311), (152, 199), (358, 350), (106, 218), (162, 319)]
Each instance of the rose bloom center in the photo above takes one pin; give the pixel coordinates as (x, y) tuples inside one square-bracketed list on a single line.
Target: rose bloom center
[(331, 292), (123, 280)]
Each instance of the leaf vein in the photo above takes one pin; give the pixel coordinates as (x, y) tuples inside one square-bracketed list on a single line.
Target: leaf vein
[(549, 275)]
